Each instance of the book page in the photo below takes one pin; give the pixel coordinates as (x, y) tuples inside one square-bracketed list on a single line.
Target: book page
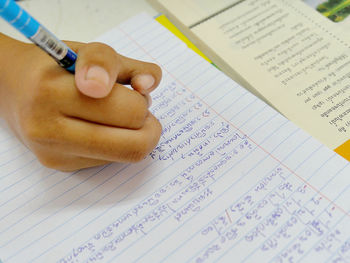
[(293, 57), (230, 180), (284, 52)]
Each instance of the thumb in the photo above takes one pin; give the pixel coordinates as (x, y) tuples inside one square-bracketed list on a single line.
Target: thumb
[(96, 69), (99, 67)]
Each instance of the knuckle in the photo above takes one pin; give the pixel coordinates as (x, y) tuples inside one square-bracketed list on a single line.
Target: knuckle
[(100, 48), (42, 93), (46, 91), (98, 54), (39, 129), (31, 130)]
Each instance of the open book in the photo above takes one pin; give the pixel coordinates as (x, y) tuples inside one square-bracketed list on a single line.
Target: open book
[(283, 51), (231, 180)]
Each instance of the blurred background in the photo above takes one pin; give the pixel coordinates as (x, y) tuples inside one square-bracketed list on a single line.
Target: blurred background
[(79, 20)]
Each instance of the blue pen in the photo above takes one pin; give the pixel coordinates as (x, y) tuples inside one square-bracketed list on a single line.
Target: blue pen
[(28, 26)]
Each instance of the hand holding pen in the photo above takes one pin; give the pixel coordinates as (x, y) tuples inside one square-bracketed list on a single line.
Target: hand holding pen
[(72, 121)]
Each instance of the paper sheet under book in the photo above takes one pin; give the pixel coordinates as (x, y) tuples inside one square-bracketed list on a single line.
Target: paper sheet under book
[(230, 181)]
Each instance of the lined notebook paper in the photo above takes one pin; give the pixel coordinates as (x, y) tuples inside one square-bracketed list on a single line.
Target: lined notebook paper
[(231, 180)]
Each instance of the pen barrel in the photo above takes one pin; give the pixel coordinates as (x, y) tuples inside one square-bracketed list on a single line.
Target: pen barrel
[(18, 18), (31, 28), (54, 47)]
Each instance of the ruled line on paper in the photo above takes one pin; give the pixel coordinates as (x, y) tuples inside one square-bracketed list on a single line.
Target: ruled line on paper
[(169, 182), (259, 114), (227, 170), (256, 165), (7, 214), (218, 114), (337, 173), (126, 196), (337, 253), (186, 241), (224, 191), (28, 188), (314, 173), (341, 219), (23, 178)]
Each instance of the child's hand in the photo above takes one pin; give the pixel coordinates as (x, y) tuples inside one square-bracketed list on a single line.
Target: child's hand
[(75, 121)]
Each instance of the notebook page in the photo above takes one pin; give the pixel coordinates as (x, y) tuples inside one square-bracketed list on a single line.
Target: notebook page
[(229, 179)]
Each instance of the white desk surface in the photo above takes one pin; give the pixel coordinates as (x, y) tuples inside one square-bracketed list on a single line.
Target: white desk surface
[(79, 20)]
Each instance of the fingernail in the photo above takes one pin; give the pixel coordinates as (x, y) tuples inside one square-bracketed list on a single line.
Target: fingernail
[(146, 81), (98, 74)]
